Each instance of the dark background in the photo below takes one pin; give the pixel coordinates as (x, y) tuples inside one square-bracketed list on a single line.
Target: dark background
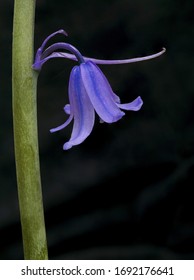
[(127, 191)]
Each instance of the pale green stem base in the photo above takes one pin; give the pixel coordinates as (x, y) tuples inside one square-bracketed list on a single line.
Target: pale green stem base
[(25, 133)]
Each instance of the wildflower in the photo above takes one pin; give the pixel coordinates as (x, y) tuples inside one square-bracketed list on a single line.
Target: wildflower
[(89, 90)]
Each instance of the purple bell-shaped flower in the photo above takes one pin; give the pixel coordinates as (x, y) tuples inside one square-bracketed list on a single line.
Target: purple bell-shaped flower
[(89, 91)]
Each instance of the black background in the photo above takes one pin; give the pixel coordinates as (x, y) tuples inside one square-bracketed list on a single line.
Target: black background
[(127, 191)]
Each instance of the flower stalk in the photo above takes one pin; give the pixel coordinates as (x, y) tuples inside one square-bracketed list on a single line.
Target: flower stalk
[(25, 133)]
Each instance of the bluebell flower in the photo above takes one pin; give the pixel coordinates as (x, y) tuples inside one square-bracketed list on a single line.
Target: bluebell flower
[(89, 90)]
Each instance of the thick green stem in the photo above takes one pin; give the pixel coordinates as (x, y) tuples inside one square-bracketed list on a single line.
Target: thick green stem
[(25, 133)]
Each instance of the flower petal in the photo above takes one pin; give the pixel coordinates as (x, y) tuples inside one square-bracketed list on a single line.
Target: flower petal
[(100, 92), (81, 108), (63, 125), (67, 109), (135, 105)]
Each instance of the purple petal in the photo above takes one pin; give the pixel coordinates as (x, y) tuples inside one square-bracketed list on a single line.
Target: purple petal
[(100, 93), (81, 108), (67, 109), (135, 105), (115, 97), (63, 125)]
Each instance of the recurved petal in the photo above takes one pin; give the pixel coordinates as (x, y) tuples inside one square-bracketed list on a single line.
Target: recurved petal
[(100, 93), (63, 125), (81, 108), (135, 105), (67, 109)]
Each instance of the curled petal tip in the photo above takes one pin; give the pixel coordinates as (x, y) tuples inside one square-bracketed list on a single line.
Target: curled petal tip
[(62, 31), (67, 146), (67, 109), (135, 105), (140, 101), (163, 50)]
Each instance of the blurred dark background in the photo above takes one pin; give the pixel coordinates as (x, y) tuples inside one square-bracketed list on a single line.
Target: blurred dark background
[(127, 191)]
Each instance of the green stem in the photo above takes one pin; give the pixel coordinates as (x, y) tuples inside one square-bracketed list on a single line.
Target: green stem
[(25, 133)]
